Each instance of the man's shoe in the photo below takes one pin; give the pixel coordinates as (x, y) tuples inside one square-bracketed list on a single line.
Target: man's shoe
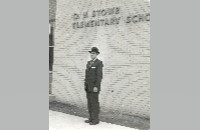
[(94, 123), (87, 121)]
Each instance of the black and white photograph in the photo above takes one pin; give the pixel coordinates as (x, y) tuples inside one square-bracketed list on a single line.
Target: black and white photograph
[(99, 65)]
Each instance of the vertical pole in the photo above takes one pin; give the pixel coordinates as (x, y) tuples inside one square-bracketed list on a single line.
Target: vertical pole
[(51, 48)]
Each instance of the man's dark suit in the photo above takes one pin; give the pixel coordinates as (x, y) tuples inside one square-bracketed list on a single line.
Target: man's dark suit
[(93, 77)]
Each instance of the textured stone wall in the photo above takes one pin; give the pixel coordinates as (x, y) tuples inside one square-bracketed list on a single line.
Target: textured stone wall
[(125, 52)]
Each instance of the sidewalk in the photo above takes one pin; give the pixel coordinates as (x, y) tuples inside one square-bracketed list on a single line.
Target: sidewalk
[(62, 121)]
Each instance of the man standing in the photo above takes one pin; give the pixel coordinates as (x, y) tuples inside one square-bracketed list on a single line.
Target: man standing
[(93, 77)]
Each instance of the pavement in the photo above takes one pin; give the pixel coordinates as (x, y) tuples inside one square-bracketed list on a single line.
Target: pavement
[(62, 121)]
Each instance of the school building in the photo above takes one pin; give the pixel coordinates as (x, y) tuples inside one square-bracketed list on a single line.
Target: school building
[(121, 31)]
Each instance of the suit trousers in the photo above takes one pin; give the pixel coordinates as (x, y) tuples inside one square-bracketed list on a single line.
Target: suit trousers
[(93, 106)]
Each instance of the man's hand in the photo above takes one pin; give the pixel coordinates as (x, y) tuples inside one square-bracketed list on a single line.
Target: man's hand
[(95, 89), (85, 86)]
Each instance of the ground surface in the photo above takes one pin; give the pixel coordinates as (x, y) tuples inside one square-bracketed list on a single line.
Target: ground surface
[(62, 121), (133, 122)]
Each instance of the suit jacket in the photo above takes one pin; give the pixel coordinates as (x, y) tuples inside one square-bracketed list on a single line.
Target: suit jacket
[(93, 75)]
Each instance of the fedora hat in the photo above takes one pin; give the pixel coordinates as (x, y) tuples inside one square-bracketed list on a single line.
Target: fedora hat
[(94, 49)]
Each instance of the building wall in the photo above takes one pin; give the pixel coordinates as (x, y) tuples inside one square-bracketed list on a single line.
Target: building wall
[(125, 52)]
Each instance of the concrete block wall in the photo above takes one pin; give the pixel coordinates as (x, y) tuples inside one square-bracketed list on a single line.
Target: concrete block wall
[(125, 52)]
